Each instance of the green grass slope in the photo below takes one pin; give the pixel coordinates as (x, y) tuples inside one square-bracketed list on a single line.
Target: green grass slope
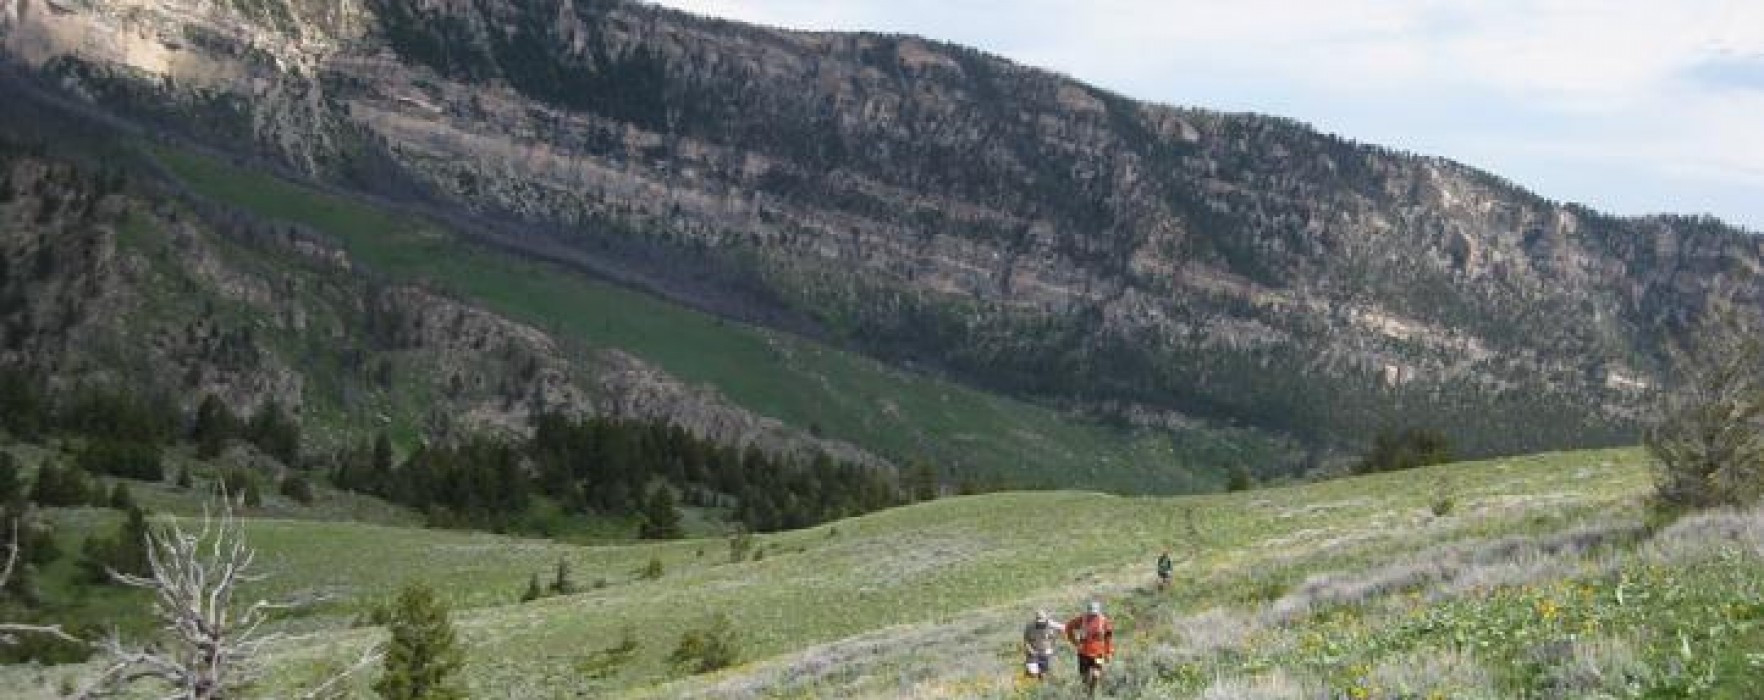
[(900, 415), (1540, 582)]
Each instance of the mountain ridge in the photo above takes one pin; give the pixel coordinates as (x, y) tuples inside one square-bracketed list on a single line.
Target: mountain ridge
[(939, 207)]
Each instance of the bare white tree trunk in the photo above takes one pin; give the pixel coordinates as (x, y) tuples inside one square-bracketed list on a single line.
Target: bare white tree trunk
[(9, 631), (211, 646)]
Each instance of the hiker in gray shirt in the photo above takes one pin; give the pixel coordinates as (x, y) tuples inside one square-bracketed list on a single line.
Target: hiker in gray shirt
[(1039, 638)]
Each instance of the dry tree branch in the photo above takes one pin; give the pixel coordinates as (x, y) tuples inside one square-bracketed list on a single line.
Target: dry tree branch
[(11, 556), (213, 644), (9, 631)]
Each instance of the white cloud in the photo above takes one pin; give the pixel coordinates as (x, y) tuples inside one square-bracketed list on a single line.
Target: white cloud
[(1518, 86)]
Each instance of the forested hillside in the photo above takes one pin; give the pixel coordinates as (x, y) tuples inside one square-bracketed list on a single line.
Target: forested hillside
[(942, 210)]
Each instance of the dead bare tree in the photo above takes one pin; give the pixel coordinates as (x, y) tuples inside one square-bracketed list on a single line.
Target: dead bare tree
[(212, 645)]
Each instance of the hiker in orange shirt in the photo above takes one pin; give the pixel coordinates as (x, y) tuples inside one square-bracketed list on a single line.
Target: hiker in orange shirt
[(1094, 635)]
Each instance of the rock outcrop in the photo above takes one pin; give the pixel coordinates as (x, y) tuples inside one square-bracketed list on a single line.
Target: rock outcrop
[(933, 204)]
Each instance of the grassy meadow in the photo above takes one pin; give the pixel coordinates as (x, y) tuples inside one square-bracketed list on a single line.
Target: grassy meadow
[(1527, 577)]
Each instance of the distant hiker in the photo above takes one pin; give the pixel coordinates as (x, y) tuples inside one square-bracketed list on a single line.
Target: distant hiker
[(1040, 637), (1094, 635), (1166, 568)]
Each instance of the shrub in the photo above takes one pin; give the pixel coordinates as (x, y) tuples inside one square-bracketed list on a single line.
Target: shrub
[(1444, 502), (1405, 449), (712, 646), (1238, 480), (297, 488), (603, 663), (651, 571)]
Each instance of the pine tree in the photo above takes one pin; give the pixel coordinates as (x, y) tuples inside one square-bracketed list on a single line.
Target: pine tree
[(561, 584), (423, 656), (124, 552), (120, 498), (382, 453), (275, 432), (11, 484), (1707, 443), (534, 592), (923, 482), (1238, 479), (131, 551), (661, 519), (60, 486), (215, 424)]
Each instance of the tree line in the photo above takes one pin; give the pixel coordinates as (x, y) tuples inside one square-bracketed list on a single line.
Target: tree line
[(612, 467)]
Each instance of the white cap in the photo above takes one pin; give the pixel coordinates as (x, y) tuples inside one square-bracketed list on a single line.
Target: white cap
[(1094, 608)]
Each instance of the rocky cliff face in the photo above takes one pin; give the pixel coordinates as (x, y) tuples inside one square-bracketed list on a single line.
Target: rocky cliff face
[(932, 204), (101, 285)]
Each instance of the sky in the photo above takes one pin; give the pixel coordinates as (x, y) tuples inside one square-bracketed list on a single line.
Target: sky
[(1631, 107)]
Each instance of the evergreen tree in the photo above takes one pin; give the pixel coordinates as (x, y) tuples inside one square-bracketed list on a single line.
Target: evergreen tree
[(423, 656), (124, 551), (36, 547), (120, 498), (561, 583), (661, 519), (922, 482), (382, 460), (24, 411), (11, 483), (60, 486), (1708, 442), (215, 425), (275, 432)]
